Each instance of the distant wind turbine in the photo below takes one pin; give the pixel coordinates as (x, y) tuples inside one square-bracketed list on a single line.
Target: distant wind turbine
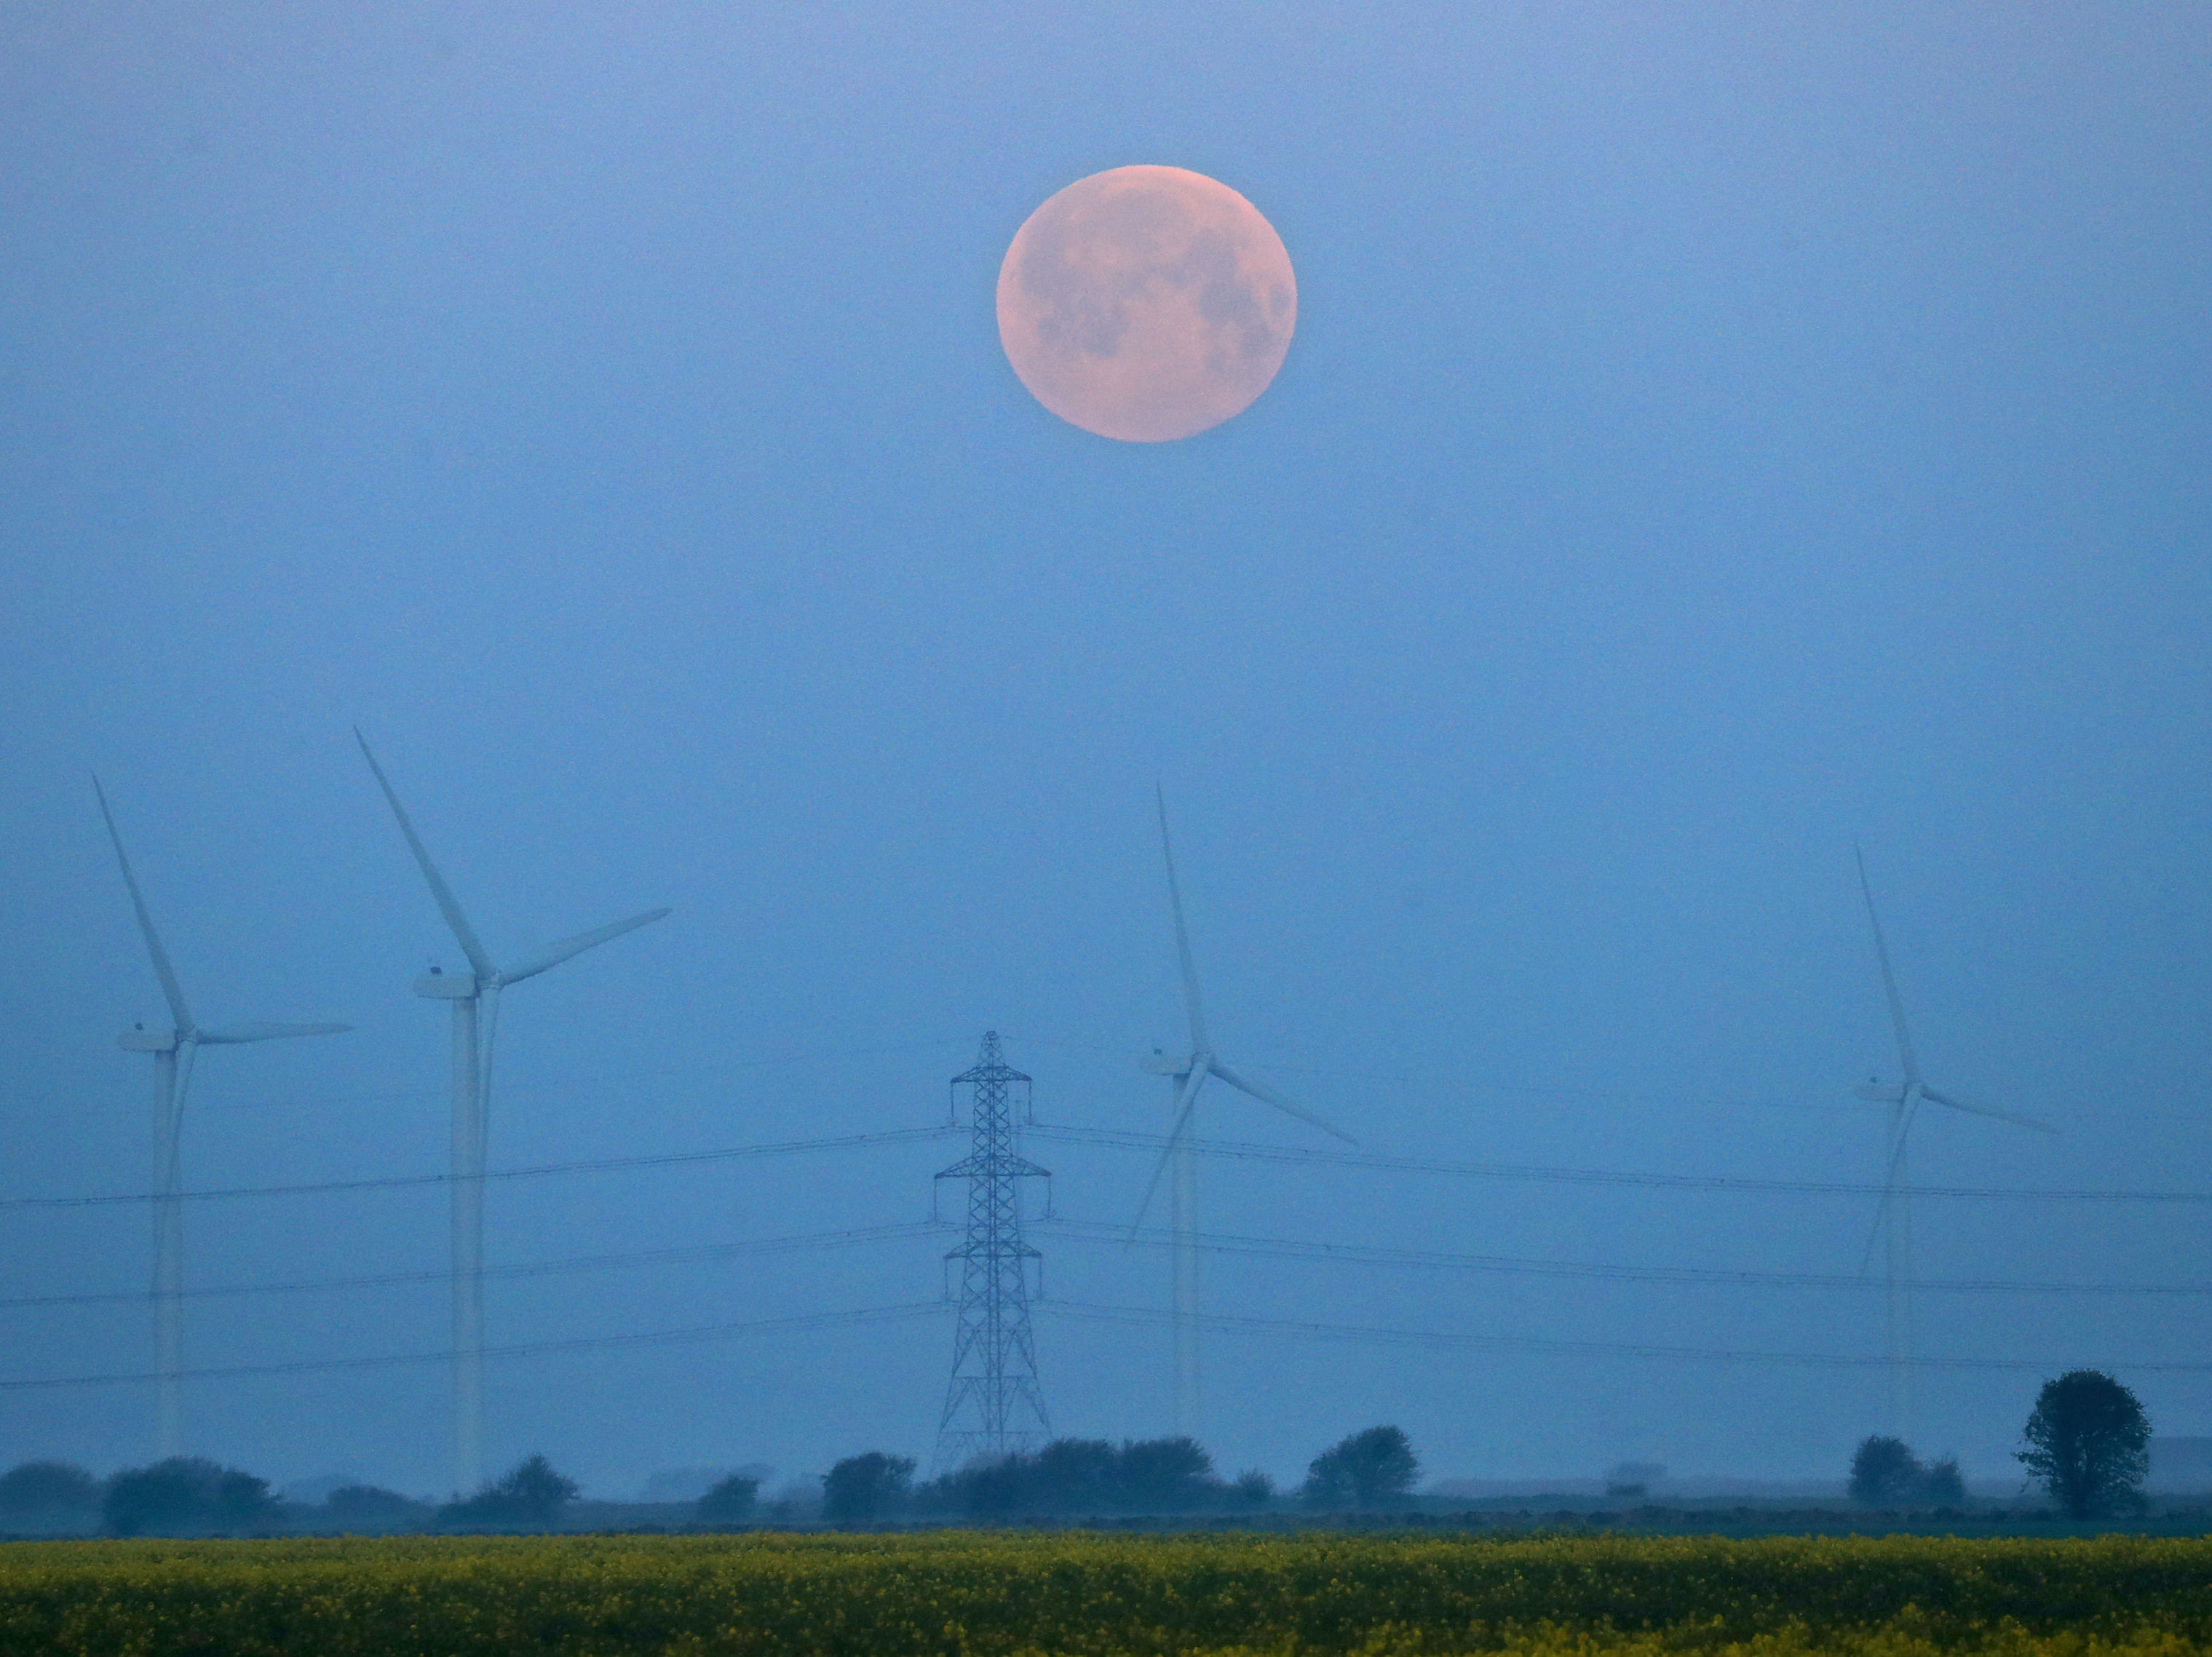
[(1893, 1222), (475, 999), (1187, 1073), (174, 1050)]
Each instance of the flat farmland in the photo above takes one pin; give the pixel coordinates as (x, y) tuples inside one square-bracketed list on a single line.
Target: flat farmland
[(958, 1593)]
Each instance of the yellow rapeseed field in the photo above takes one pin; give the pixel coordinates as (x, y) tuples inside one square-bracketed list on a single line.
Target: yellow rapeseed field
[(961, 1593)]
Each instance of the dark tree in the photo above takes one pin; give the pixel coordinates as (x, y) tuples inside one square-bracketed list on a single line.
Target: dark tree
[(532, 1494), (2088, 1443), (1254, 1488), (1885, 1473), (40, 1489), (185, 1493), (731, 1502), (862, 1489), (368, 1504), (1363, 1470), (1077, 1475), (1166, 1474), (1943, 1483)]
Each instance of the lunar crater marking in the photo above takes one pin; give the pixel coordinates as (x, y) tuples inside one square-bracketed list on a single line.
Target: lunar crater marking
[(1147, 303)]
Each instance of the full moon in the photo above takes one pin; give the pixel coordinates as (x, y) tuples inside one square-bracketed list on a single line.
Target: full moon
[(1147, 303)]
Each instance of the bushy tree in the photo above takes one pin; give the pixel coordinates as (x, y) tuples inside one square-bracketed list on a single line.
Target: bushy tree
[(1078, 1475), (38, 1489), (185, 1493), (1885, 1473), (1254, 1488), (368, 1504), (1166, 1474), (1943, 1483), (530, 1494), (1084, 1476), (729, 1500), (862, 1489), (1366, 1469), (2088, 1443)]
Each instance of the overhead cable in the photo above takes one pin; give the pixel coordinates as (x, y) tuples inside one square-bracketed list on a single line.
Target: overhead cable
[(531, 1269), (1368, 1255), (600, 1165), (1229, 1323), (521, 1348), (1123, 1140)]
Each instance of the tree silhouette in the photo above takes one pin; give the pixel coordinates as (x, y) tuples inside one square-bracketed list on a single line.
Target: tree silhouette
[(1943, 1483), (1885, 1473), (2088, 1443), (1365, 1469), (47, 1488), (863, 1488), (1166, 1474), (731, 1501), (531, 1494), (185, 1493)]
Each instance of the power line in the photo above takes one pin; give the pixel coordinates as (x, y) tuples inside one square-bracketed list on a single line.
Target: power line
[(602, 1165), (1366, 1254), (542, 1090), (1087, 1312), (525, 1349), (1122, 1140), (1461, 1084), (1100, 1231), (533, 1269)]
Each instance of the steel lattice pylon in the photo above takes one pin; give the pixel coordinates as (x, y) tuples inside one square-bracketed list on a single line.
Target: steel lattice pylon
[(993, 1406)]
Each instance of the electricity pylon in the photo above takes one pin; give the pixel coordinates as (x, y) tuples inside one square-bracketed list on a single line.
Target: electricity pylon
[(991, 1406)]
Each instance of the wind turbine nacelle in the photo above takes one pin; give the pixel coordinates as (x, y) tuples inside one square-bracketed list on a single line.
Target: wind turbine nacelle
[(1161, 1064), (1876, 1094), (147, 1041), (446, 986)]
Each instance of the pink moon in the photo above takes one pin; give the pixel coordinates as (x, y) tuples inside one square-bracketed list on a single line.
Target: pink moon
[(1147, 303)]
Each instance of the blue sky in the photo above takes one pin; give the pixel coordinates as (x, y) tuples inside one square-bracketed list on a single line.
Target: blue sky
[(1712, 434)]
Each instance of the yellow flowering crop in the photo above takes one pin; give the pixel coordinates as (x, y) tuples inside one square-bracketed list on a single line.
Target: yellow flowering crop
[(958, 1592)]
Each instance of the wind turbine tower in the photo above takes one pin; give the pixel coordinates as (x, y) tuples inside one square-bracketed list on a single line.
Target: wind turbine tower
[(474, 997), (174, 1051), (1187, 1073), (1893, 1222)]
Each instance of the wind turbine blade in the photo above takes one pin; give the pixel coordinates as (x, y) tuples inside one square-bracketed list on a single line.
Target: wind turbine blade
[(1972, 1109), (447, 903), (554, 954), (1897, 1151), (236, 1035), (170, 987), (1198, 1042), (1186, 1102), (1905, 1053), (1288, 1106), (187, 1050)]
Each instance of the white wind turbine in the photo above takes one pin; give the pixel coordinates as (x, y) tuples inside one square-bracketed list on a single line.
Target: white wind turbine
[(174, 1050), (1893, 1222), (475, 999), (1187, 1073)]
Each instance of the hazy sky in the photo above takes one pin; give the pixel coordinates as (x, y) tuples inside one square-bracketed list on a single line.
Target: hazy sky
[(1713, 433)]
